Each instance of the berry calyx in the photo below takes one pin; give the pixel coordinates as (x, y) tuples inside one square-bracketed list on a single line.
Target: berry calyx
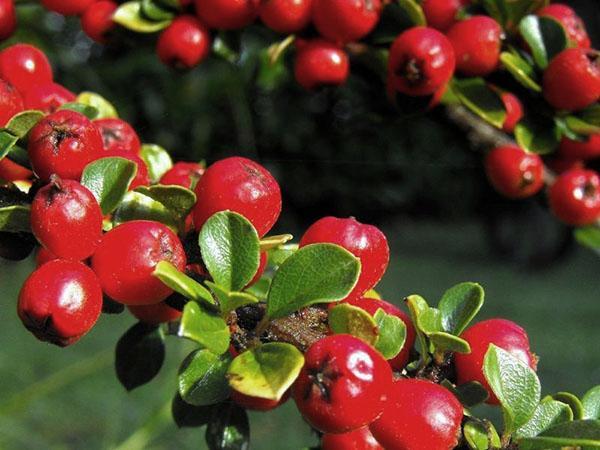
[(184, 174), (97, 20), (24, 66), (320, 63), (572, 23), (441, 14), (8, 19), (285, 16), (47, 97), (227, 14), (513, 172), (118, 135), (575, 197), (154, 314), (184, 43), (588, 149), (344, 21), (360, 439), (11, 102), (60, 302)]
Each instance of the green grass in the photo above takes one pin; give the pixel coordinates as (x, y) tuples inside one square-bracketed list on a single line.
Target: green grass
[(52, 398)]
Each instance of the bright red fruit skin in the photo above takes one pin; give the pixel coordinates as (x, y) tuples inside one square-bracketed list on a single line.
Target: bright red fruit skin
[(11, 171), (476, 42), (60, 302), (588, 149), (504, 334), (63, 143), (8, 19), (360, 439), (67, 7), (154, 314), (240, 185), (184, 43), (11, 102), (572, 79), (118, 135), (514, 111), (575, 197), (47, 97), (43, 256), (441, 14), (513, 172), (227, 14), (126, 257), (320, 63), (257, 403), (184, 174), (142, 178), (569, 19), (371, 305), (66, 219), (419, 415), (366, 242), (97, 21), (344, 21), (343, 385), (24, 66), (421, 62), (286, 16)]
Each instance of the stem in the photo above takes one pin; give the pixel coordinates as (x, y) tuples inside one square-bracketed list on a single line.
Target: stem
[(140, 439)]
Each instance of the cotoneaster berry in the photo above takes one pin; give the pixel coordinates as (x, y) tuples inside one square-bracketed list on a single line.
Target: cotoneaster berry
[(476, 42), (571, 22), (47, 97), (285, 16), (421, 62), (345, 20), (66, 219), (60, 302), (513, 172), (24, 66), (261, 268), (11, 102), (142, 177), (257, 403), (184, 43), (366, 242), (343, 385), (11, 171), (154, 314), (320, 63), (575, 197), (43, 256), (587, 149), (118, 135), (514, 111), (419, 415), (504, 334), (240, 185), (184, 174), (572, 79), (126, 257), (8, 19), (227, 14), (97, 20), (63, 143), (442, 14), (360, 439), (68, 7)]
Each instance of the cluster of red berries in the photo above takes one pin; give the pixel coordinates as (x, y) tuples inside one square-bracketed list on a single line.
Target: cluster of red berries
[(8, 19)]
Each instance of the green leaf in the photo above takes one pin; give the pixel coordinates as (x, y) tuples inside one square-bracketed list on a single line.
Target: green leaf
[(181, 283), (7, 142), (521, 70), (266, 371), (459, 305), (230, 249), (20, 124), (547, 414), (481, 436), (201, 378), (260, 289), (108, 179), (129, 15), (392, 334), (579, 433), (414, 11), (591, 114), (88, 111), (205, 327), (510, 12), (271, 242), (317, 273), (278, 255), (416, 306), (445, 342), (157, 160), (229, 429), (20, 156), (581, 127), (186, 415), (139, 355), (537, 134), (588, 236), (515, 384), (573, 402), (137, 206), (178, 200), (231, 300), (15, 219), (104, 107), (429, 320), (591, 403), (471, 393), (476, 95), (348, 319), (545, 36), (155, 11)]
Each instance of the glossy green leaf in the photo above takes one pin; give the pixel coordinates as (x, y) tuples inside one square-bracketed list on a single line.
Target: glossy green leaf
[(317, 273), (547, 414), (521, 70), (231, 300), (392, 334), (181, 283), (230, 249), (177, 199), (445, 342), (573, 402), (129, 15), (480, 435), (429, 320), (416, 306), (15, 219), (157, 160), (271, 242), (201, 378), (349, 319), (581, 127), (88, 111), (155, 11), (476, 95), (278, 255), (7, 142), (545, 36), (414, 11), (260, 289), (579, 433), (186, 415), (471, 393), (266, 371), (229, 429), (591, 114), (459, 305), (537, 134), (108, 179), (20, 156), (104, 107), (508, 13), (206, 327), (137, 206), (588, 236), (20, 124), (591, 404)]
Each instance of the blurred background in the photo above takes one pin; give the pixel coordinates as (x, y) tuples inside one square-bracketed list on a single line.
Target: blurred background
[(335, 152)]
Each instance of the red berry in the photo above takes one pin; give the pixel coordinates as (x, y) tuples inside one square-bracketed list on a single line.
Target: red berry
[(126, 257), (588, 149), (184, 174), (572, 79), (257, 403), (24, 66), (476, 42), (360, 439), (66, 219), (421, 62), (366, 242), (47, 97), (345, 20), (11, 102), (513, 172), (97, 20), (286, 16), (43, 256), (118, 135), (320, 63), (343, 385), (261, 268), (63, 143), (154, 314), (60, 302), (504, 334), (142, 177), (11, 171), (560, 164), (240, 185), (8, 19), (184, 43), (227, 14), (569, 19), (67, 7), (372, 305), (575, 197), (514, 111), (419, 415), (442, 14)]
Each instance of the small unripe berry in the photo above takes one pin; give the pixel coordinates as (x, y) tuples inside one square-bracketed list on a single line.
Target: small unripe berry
[(118, 135), (154, 314), (587, 149), (8, 19), (575, 197), (320, 63), (285, 16), (513, 172), (11, 102), (360, 439), (572, 23), (24, 66), (67, 7), (47, 97), (184, 174), (476, 42), (514, 111), (344, 21), (227, 14), (97, 20), (184, 43), (442, 14)]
